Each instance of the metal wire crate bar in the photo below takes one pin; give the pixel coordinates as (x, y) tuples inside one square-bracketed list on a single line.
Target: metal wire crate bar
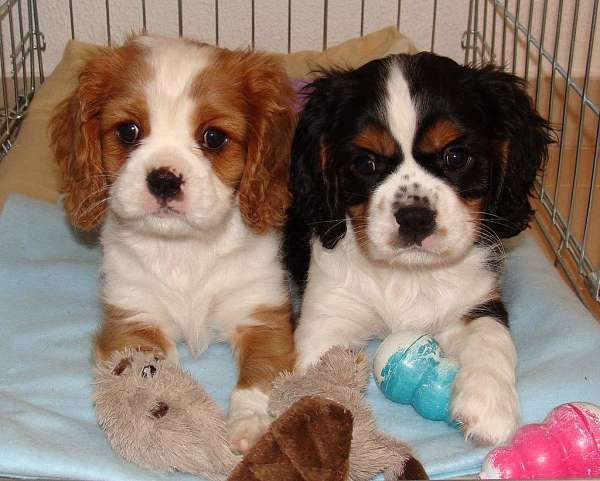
[(544, 53), (21, 67)]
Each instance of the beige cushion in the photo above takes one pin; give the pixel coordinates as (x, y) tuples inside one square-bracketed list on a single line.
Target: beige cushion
[(350, 54), (28, 168)]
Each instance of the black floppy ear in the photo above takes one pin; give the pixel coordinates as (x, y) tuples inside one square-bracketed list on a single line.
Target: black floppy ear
[(314, 182), (523, 137), (317, 207)]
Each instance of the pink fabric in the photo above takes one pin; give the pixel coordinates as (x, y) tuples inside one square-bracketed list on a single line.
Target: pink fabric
[(298, 84)]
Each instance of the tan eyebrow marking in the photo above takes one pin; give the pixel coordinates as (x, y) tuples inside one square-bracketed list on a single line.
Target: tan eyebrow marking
[(376, 139), (438, 136)]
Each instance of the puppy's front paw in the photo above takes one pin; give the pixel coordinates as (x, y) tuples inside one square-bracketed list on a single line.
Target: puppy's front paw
[(245, 431), (486, 406), (248, 417)]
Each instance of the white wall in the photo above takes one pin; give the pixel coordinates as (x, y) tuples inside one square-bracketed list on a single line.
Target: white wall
[(271, 22), (344, 19)]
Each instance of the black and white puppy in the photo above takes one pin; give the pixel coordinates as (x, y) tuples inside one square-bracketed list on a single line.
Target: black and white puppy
[(405, 174)]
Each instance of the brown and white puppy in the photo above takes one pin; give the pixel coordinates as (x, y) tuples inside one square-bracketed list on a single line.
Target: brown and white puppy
[(180, 151), (406, 173)]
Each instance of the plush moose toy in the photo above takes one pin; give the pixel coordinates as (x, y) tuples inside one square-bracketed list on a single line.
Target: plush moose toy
[(156, 415)]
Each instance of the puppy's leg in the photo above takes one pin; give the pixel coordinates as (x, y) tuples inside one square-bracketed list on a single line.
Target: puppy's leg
[(121, 329), (332, 317), (263, 351), (485, 399)]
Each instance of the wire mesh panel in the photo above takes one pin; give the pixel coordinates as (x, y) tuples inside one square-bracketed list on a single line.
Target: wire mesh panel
[(553, 45), (274, 25), (21, 46)]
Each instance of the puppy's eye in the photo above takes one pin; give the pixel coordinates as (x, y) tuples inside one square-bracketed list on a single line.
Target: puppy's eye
[(128, 132), (456, 158), (364, 165), (213, 139)]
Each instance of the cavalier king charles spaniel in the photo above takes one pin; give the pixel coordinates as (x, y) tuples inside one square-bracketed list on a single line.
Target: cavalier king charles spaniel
[(405, 174), (180, 151)]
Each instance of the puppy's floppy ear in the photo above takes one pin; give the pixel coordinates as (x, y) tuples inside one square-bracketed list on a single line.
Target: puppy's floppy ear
[(523, 138), (75, 138), (263, 190), (315, 185)]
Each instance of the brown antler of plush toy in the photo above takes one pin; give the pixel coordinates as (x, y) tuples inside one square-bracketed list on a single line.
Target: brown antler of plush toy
[(309, 442), (341, 376)]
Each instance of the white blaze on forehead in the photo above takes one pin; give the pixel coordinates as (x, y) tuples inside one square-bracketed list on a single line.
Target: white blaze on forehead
[(174, 64), (401, 114)]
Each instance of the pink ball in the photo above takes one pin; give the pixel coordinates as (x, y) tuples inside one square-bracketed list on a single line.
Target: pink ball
[(566, 445)]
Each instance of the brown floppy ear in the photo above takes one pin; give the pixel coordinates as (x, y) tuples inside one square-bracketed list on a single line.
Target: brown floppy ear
[(263, 190), (75, 138)]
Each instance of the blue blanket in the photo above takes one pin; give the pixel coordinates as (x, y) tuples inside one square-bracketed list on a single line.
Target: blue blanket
[(49, 309)]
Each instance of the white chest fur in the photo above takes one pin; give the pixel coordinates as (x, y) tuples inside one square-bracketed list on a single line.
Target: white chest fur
[(401, 298), (199, 288)]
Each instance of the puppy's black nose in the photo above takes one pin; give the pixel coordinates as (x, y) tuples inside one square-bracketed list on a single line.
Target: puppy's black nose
[(164, 184), (415, 223)]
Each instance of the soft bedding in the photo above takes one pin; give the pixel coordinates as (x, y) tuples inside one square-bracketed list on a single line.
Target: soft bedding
[(49, 309)]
